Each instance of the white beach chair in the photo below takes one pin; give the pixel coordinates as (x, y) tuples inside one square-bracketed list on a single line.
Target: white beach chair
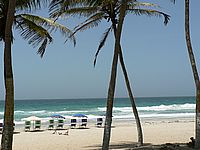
[(27, 126), (99, 122), (73, 123), (37, 125), (60, 124), (83, 122), (51, 124)]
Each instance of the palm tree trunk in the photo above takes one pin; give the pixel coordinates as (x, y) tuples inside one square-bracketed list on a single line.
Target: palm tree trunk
[(7, 135), (135, 112), (111, 90), (195, 73)]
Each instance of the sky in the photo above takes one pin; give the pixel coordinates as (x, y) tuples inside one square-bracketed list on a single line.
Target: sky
[(155, 55)]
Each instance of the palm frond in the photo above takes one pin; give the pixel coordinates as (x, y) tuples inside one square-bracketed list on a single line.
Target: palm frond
[(34, 33), (2, 28), (102, 43), (58, 7), (51, 25), (91, 22), (150, 12), (141, 4), (80, 11), (42, 48), (30, 5)]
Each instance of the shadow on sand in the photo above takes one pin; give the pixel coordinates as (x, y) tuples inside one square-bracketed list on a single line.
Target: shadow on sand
[(146, 146), (15, 132)]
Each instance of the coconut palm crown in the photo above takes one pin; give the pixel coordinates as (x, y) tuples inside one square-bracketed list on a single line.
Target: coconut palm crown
[(33, 28), (97, 10)]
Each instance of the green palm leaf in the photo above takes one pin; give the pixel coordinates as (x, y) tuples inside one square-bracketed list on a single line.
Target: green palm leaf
[(150, 12), (34, 33), (93, 21), (28, 5), (102, 43), (51, 25), (141, 4), (80, 11), (58, 7), (37, 30)]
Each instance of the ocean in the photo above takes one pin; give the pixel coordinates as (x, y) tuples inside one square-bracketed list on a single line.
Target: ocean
[(148, 107)]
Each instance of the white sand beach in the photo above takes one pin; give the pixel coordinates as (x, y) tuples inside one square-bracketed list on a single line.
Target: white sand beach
[(124, 135)]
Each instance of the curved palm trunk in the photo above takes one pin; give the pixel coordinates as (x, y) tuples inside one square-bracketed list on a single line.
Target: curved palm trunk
[(7, 136), (135, 112), (195, 73), (111, 90)]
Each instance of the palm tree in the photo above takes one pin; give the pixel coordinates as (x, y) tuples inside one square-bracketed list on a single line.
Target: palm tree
[(111, 90), (7, 137), (195, 72), (35, 29), (109, 10)]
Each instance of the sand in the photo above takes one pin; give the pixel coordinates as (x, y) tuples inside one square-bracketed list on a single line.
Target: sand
[(124, 135)]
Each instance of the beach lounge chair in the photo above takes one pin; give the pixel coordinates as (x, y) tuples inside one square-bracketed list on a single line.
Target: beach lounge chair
[(99, 122), (73, 123), (60, 124), (51, 124), (27, 126), (37, 125), (83, 123), (1, 127)]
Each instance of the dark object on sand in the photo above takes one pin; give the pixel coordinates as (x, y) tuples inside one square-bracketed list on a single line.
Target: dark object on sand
[(192, 143), (169, 146)]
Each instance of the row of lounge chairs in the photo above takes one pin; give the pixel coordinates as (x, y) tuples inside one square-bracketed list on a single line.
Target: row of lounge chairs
[(73, 124), (59, 124)]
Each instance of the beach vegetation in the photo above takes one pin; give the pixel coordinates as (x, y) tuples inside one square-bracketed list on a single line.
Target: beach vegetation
[(38, 31)]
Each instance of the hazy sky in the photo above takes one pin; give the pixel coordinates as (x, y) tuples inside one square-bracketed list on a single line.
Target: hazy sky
[(155, 55)]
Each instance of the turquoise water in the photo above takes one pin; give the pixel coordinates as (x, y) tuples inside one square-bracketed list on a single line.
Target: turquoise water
[(147, 107)]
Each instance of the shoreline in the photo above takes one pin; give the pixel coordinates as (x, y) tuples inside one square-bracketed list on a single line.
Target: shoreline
[(119, 122), (123, 134)]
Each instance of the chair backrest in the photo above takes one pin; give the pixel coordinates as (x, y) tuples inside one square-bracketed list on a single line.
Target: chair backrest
[(73, 120), (27, 123), (1, 127), (99, 122), (60, 121), (84, 120), (51, 121), (99, 119), (37, 122)]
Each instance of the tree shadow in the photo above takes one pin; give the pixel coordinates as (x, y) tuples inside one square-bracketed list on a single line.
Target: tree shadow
[(15, 132), (122, 145), (147, 146)]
